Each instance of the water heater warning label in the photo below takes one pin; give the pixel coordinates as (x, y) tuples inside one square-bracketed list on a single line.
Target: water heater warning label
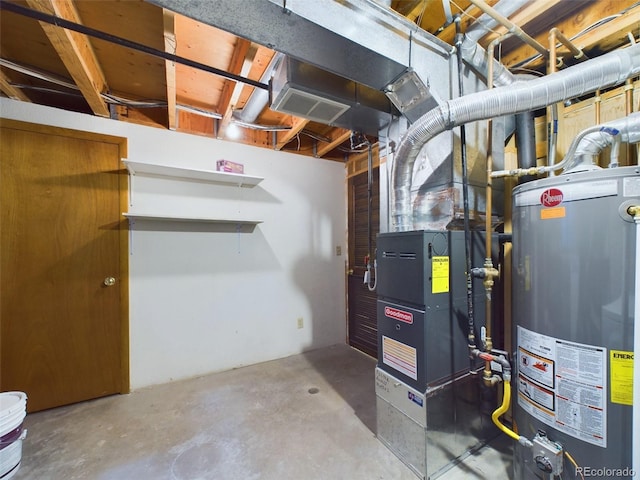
[(564, 384), (621, 377)]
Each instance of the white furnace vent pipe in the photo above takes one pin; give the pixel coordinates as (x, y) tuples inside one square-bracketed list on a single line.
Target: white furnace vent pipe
[(601, 72)]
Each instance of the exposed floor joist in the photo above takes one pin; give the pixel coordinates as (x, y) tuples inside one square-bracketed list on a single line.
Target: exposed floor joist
[(522, 17), (76, 52), (285, 137), (168, 19), (241, 61), (338, 136), (613, 32)]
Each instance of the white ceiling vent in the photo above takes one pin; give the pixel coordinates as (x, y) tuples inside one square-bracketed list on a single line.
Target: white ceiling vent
[(307, 105)]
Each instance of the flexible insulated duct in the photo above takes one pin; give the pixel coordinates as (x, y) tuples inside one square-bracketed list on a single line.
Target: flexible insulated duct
[(592, 141), (605, 71)]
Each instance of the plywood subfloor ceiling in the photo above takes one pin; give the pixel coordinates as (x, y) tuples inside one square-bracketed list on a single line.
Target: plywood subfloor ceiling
[(50, 65)]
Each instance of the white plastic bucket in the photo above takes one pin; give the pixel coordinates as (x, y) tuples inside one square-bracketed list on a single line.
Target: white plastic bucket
[(13, 409)]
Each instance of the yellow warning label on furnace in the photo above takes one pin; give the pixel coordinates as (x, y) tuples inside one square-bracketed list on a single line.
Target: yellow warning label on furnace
[(439, 274), (621, 377)]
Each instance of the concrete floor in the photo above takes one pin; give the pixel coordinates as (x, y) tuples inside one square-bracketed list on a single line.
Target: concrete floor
[(309, 416)]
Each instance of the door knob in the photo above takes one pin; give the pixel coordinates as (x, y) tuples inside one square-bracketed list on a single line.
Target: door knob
[(350, 271), (109, 281)]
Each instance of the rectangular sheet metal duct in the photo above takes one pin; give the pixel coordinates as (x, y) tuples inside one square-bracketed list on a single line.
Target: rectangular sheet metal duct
[(356, 39), (307, 91)]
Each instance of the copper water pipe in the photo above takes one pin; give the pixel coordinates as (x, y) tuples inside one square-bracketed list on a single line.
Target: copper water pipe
[(489, 272), (511, 27), (552, 122), (578, 54), (552, 51), (628, 101)]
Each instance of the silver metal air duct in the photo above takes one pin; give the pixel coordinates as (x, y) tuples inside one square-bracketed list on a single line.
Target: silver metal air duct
[(605, 71), (259, 98), (590, 142), (356, 39), (475, 56)]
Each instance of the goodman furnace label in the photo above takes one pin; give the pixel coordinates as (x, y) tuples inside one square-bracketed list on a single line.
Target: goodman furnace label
[(564, 384)]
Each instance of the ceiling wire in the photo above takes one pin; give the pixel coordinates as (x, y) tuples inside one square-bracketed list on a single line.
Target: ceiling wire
[(24, 86), (61, 81), (424, 8)]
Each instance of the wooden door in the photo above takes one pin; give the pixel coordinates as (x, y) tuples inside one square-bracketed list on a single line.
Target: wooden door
[(64, 331), (363, 326)]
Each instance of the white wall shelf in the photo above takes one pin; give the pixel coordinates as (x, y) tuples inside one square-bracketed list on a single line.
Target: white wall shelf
[(211, 176), (180, 218), (179, 173)]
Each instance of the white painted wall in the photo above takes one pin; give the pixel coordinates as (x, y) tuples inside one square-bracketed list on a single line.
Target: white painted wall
[(203, 300)]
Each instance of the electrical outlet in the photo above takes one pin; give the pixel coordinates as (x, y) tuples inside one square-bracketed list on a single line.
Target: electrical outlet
[(300, 322), (338, 250)]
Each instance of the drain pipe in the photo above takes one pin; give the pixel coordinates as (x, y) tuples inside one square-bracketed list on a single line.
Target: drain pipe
[(471, 336), (605, 71)]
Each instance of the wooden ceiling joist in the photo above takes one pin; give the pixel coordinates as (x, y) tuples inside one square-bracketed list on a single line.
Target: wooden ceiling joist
[(337, 136), (169, 26), (76, 52), (612, 33), (9, 90), (240, 64), (285, 137), (236, 64), (522, 17)]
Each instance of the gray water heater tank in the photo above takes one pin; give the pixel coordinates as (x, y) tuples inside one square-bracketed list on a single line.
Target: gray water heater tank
[(574, 263)]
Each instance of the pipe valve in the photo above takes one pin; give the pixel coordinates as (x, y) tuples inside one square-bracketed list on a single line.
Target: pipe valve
[(488, 273)]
